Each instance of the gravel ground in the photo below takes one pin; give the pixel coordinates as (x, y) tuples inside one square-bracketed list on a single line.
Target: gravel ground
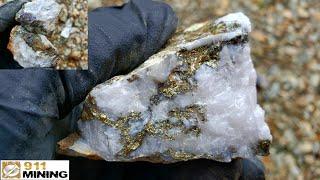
[(285, 49), (74, 49)]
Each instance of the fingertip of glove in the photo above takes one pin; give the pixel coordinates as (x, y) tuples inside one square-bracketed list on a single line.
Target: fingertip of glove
[(157, 15), (252, 169), (168, 13), (170, 18)]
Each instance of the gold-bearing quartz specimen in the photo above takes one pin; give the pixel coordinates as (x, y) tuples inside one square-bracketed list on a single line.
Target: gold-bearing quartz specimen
[(194, 99)]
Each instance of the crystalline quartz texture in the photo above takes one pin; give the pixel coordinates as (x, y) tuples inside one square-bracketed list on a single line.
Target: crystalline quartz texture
[(67, 29), (31, 50), (28, 42), (210, 113), (39, 15)]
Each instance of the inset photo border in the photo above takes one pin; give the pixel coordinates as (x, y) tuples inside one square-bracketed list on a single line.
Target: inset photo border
[(46, 33)]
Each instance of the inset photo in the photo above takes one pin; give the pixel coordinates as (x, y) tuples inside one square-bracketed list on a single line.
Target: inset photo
[(44, 34)]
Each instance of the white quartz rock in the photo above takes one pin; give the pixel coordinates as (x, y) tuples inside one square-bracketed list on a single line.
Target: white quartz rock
[(39, 15), (31, 50), (194, 99), (28, 41), (67, 29)]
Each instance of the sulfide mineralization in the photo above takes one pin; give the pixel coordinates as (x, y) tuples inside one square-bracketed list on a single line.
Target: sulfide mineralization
[(194, 99), (28, 42)]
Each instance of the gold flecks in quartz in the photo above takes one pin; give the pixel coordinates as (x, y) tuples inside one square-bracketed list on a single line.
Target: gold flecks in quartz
[(177, 118), (160, 128), (191, 111), (35, 41), (180, 155), (209, 28), (217, 28), (130, 143), (181, 80)]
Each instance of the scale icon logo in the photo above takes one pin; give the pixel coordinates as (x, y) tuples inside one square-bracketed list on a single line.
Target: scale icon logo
[(10, 169)]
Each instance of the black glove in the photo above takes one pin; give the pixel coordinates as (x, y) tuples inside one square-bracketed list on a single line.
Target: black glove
[(202, 169), (34, 103)]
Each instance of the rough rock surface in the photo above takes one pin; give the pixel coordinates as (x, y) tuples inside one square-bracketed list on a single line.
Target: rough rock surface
[(194, 99), (61, 23), (39, 16), (32, 50)]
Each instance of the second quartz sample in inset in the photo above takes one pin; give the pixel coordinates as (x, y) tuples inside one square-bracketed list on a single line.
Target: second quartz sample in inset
[(52, 33)]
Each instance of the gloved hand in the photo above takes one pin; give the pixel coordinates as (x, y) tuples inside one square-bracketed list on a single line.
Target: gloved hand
[(35, 103)]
